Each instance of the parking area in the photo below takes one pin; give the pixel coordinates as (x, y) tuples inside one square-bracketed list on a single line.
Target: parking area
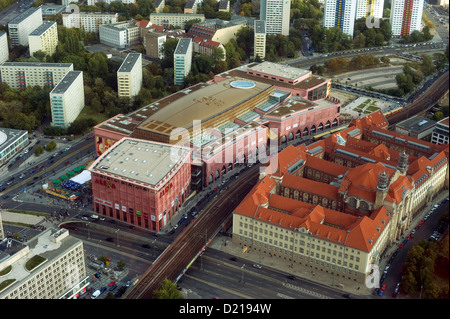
[(104, 279)]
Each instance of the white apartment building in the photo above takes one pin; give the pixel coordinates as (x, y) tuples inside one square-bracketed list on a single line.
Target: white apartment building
[(340, 13), (276, 13), (90, 21), (21, 26), (19, 75), (44, 38), (129, 76), (120, 34), (406, 16), (182, 60), (92, 2), (12, 142), (365, 8), (259, 40), (4, 52), (440, 132), (174, 19), (67, 99), (49, 266)]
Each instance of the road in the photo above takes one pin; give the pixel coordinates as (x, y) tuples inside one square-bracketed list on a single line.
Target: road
[(14, 10), (190, 243), (216, 275)]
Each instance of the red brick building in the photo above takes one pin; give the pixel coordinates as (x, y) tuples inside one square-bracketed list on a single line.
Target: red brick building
[(140, 182)]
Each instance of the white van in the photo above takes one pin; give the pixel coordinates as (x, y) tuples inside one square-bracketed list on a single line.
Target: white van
[(94, 216), (95, 294)]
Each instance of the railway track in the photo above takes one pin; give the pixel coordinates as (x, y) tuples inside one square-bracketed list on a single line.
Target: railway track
[(172, 263), (424, 102)]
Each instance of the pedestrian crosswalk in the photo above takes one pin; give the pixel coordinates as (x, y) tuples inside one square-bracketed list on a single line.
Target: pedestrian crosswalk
[(306, 291)]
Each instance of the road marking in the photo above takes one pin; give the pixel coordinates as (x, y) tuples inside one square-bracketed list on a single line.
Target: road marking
[(306, 291)]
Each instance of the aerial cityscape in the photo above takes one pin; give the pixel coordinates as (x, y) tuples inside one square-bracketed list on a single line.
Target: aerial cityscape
[(224, 150)]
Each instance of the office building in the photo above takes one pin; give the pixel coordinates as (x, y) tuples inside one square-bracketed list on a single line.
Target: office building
[(182, 60), (153, 44), (276, 13), (338, 203), (259, 41), (67, 99), (416, 126), (4, 51), (140, 182), (120, 34), (440, 132), (340, 13), (129, 76), (12, 142), (365, 8), (44, 38), (49, 266), (19, 75), (406, 16), (21, 26), (89, 21)]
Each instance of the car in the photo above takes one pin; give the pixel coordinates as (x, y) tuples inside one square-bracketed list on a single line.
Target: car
[(257, 266), (291, 277), (128, 284), (102, 289), (84, 218), (112, 283), (146, 246), (383, 287), (348, 296), (233, 258), (113, 287), (175, 227), (401, 245)]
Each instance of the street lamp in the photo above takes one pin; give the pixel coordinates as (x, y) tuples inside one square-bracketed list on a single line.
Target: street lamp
[(117, 237), (242, 272)]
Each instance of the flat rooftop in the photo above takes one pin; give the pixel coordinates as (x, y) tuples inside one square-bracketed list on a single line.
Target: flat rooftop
[(309, 82), (129, 62), (66, 82), (182, 46), (141, 161), (36, 64), (417, 124), (280, 70), (9, 135), (43, 244), (43, 27), (210, 101), (25, 15)]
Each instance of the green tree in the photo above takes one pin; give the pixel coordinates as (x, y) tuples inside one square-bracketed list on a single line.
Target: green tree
[(168, 290)]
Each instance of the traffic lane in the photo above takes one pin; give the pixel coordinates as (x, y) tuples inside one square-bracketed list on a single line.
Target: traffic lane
[(267, 276)]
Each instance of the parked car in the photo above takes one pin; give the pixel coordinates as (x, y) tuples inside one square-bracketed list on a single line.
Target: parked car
[(257, 266)]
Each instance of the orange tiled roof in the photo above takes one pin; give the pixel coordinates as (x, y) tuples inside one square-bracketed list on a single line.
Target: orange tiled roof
[(325, 166), (345, 229), (309, 186), (361, 181)]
